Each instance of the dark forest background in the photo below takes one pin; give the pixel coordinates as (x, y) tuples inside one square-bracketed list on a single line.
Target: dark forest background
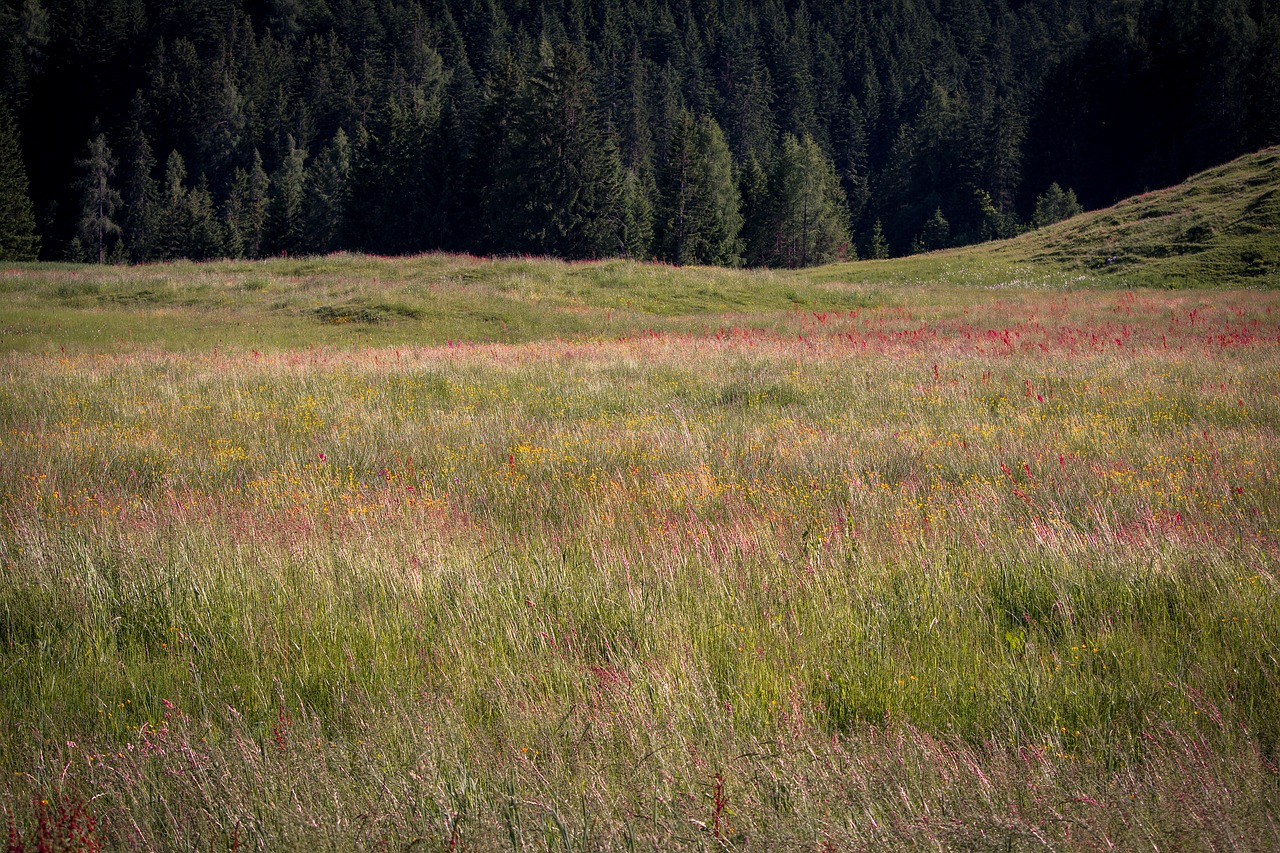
[(784, 133)]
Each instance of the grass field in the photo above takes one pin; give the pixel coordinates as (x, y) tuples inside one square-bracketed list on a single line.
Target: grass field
[(970, 551)]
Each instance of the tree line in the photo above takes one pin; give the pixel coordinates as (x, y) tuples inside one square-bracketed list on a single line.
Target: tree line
[(778, 133)]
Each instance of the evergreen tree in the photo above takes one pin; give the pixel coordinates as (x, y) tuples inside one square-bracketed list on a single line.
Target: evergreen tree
[(798, 98), (897, 199), (743, 80), (753, 188), (286, 227), (991, 224), (852, 160), (1005, 137), (246, 210), (495, 179), (98, 230), (635, 209), (808, 220), (699, 208), (451, 222), (24, 38), (1055, 205), (404, 198), (937, 232), (920, 106), (568, 172), (141, 198), (326, 195), (635, 135), (173, 230), (1264, 108), (205, 238), (18, 238), (877, 245)]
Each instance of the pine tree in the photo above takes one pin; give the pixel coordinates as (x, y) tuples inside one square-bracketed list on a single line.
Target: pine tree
[(937, 232), (1055, 205), (326, 195), (246, 210), (699, 215), (97, 230), (18, 238), (808, 219), (877, 246), (285, 224)]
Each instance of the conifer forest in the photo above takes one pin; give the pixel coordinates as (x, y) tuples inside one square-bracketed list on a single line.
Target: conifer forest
[(782, 133)]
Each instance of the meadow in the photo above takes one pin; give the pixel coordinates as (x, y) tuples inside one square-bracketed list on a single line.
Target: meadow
[(445, 553)]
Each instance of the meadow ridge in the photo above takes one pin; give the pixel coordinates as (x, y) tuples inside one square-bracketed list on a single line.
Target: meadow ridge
[(966, 551)]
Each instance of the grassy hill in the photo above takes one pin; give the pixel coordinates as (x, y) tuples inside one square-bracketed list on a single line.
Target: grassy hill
[(1219, 228)]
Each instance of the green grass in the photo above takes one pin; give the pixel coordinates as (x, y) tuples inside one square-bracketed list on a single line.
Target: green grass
[(953, 552), (1219, 228), (356, 301)]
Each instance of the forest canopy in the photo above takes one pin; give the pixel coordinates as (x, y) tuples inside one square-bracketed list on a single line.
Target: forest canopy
[(692, 131)]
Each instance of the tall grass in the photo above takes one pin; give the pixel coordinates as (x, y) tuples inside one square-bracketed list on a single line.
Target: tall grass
[(978, 569)]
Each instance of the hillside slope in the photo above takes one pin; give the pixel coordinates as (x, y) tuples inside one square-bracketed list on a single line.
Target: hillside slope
[(1219, 228)]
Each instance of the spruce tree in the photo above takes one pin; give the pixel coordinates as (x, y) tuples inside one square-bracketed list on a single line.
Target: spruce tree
[(991, 224), (699, 215), (1055, 205), (808, 219), (635, 211), (285, 225), (18, 238), (569, 172), (326, 195), (753, 188), (141, 199), (495, 176), (1005, 136), (743, 80), (172, 221), (246, 210), (937, 232), (98, 230), (877, 246), (205, 234)]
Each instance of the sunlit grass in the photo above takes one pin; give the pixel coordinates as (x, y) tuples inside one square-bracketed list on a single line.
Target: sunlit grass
[(907, 566)]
